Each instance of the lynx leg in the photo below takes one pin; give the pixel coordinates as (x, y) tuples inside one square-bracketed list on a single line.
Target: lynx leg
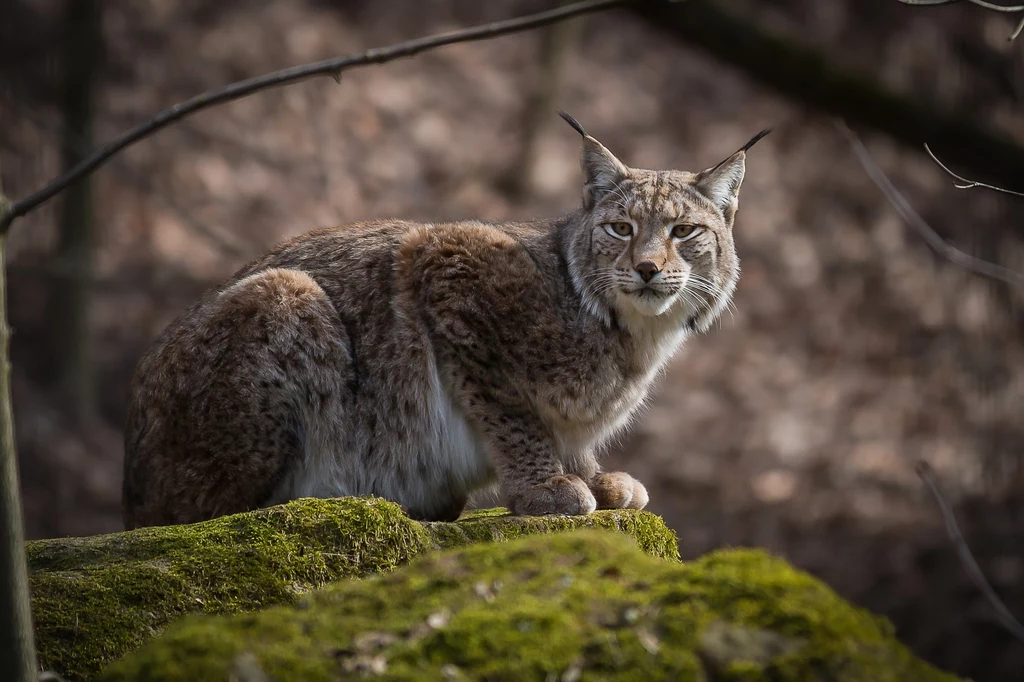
[(566, 494), (222, 406), (532, 479)]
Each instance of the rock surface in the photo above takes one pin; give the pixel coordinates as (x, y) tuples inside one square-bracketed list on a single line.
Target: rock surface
[(97, 598), (584, 605)]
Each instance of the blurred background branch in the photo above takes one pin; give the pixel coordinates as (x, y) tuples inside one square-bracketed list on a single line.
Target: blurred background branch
[(970, 564), (926, 231), (69, 300), (557, 43)]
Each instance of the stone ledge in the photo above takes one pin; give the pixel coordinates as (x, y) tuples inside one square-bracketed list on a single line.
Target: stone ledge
[(575, 606), (94, 599)]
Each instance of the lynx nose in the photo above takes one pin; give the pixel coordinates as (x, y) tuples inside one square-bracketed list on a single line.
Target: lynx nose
[(647, 270)]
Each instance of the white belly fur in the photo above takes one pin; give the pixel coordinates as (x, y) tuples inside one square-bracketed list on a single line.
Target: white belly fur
[(456, 460)]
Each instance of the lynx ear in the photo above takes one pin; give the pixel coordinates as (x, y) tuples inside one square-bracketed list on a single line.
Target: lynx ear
[(721, 184), (601, 170)]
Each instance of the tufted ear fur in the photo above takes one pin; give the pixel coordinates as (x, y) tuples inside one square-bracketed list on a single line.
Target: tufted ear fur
[(721, 184), (601, 170)]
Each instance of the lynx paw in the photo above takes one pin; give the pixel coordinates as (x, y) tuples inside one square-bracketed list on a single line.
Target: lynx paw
[(618, 490), (557, 495)]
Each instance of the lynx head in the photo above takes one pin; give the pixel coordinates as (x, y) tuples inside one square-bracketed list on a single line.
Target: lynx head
[(656, 244)]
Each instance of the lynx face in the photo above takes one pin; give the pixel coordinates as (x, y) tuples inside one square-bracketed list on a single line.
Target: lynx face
[(656, 244)]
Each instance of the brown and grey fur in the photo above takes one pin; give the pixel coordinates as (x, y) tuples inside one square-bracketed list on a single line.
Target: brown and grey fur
[(420, 362)]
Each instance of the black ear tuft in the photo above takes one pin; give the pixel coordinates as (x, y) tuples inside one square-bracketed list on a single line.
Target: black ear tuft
[(574, 123), (754, 140), (742, 150)]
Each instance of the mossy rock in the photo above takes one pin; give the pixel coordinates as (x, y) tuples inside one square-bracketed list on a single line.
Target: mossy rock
[(585, 605), (94, 599)]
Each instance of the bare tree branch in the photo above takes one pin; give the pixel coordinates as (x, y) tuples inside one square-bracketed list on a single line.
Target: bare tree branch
[(332, 67), (1016, 31), (931, 237), (1007, 619), (964, 182)]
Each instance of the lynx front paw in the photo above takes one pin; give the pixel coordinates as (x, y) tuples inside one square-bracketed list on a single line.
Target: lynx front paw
[(557, 495), (618, 490)]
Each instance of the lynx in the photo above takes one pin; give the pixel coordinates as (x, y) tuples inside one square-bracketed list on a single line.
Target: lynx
[(420, 362)]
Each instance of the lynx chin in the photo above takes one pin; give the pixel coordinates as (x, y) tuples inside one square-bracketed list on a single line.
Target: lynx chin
[(420, 362)]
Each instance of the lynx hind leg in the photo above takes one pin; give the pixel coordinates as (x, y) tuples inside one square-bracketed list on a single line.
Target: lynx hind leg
[(618, 490), (221, 409)]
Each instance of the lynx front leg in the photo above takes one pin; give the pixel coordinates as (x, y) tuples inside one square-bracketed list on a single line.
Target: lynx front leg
[(611, 490), (533, 481), (618, 490), (564, 494)]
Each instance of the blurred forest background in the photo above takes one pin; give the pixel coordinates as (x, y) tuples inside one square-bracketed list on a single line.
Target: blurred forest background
[(854, 350)]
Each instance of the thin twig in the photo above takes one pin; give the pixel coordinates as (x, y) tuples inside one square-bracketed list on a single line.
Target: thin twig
[(907, 212), (980, 3), (1008, 620), (965, 183), (332, 67), (997, 8)]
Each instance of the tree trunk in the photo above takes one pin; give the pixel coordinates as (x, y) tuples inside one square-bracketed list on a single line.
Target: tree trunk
[(70, 296), (556, 43), (17, 647)]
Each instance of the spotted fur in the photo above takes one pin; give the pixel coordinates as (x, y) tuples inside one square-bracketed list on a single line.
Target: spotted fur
[(420, 362)]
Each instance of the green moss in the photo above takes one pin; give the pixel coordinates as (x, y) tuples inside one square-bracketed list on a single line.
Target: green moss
[(97, 598), (497, 525), (583, 605)]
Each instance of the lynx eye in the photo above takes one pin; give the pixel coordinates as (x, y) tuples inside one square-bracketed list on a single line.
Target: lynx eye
[(685, 231), (622, 230)]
